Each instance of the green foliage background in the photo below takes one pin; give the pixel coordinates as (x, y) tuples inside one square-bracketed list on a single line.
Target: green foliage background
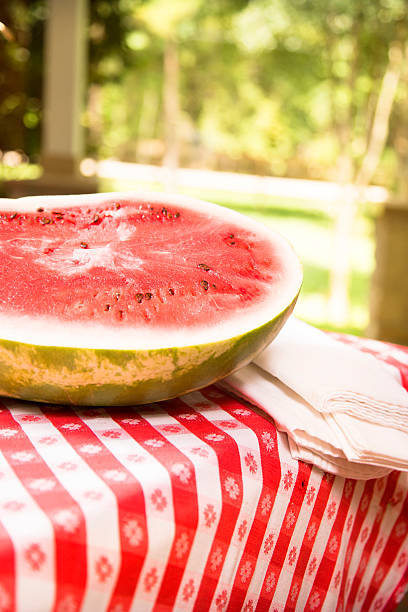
[(282, 87)]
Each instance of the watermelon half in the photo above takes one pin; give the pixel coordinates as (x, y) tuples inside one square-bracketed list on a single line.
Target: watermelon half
[(125, 298)]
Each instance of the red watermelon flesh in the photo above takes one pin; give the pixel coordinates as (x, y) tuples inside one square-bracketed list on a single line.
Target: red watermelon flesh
[(132, 263)]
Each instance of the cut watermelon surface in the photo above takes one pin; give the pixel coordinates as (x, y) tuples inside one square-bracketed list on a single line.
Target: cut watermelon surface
[(133, 298)]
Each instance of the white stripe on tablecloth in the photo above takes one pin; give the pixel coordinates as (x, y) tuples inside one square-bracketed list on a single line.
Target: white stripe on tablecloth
[(368, 522), (386, 584), (275, 521), (322, 538), (282, 592), (331, 600), (97, 513), (35, 590), (207, 480), (160, 525), (246, 441)]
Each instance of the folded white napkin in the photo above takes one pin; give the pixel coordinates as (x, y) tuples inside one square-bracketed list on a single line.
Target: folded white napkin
[(342, 409)]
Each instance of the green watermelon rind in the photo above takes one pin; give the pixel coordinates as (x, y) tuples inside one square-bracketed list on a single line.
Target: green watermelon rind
[(97, 377)]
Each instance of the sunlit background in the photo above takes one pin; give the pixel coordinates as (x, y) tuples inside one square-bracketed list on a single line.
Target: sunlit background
[(291, 111)]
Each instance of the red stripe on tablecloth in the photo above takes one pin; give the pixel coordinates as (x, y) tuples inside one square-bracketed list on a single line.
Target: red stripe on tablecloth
[(7, 571), (398, 593), (361, 514), (370, 542), (314, 524), (130, 507), (229, 466), (271, 472), (70, 553), (185, 504), (324, 574), (282, 544), (397, 538)]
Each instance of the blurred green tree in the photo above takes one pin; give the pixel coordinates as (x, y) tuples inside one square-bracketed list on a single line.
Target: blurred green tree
[(21, 47), (268, 86)]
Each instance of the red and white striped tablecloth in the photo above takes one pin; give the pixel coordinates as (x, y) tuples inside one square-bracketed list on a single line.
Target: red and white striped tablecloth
[(190, 504)]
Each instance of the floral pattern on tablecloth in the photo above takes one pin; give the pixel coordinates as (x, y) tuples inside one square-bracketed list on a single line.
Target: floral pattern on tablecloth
[(190, 504)]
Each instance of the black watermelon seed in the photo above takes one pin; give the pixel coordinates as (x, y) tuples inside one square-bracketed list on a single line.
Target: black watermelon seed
[(232, 243), (164, 211), (116, 205), (45, 220), (95, 219), (176, 215), (13, 216), (171, 291), (40, 210), (107, 307), (84, 245), (139, 297), (117, 296), (204, 267), (231, 236), (148, 296), (214, 286), (204, 284)]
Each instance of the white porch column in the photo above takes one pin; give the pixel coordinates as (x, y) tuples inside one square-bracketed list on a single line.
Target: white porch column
[(65, 72), (64, 86)]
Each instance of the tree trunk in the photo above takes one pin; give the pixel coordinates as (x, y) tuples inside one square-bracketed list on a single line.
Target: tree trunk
[(338, 304), (171, 112), (95, 121), (340, 280), (379, 130)]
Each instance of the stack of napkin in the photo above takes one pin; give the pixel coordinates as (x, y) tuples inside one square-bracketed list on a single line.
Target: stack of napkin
[(343, 410)]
